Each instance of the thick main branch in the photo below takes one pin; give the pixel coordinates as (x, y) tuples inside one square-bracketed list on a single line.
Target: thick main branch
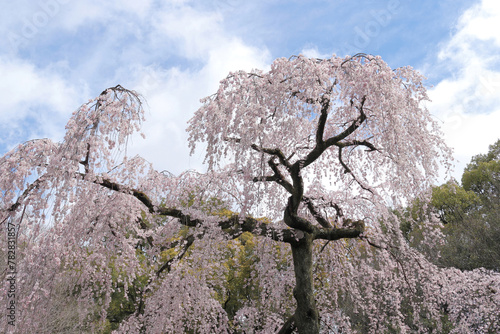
[(233, 226)]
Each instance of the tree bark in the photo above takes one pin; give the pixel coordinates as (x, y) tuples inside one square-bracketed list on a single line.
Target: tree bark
[(306, 313)]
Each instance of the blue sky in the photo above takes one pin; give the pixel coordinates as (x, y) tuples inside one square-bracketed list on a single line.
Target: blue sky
[(57, 54)]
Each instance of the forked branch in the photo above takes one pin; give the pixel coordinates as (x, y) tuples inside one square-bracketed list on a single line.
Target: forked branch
[(315, 213), (321, 145), (277, 177)]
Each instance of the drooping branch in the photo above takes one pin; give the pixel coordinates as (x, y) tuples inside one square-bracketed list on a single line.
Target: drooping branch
[(348, 170), (342, 163), (387, 249), (365, 143), (142, 197), (24, 195), (357, 55), (133, 95), (85, 163), (339, 211), (274, 152)]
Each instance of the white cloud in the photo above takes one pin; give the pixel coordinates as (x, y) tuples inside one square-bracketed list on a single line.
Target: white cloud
[(39, 95), (468, 103), (193, 32), (75, 14), (480, 22), (471, 134), (313, 52)]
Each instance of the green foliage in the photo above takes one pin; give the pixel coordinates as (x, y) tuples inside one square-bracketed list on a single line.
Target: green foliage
[(473, 214), (239, 286), (492, 155), (210, 205), (242, 286), (452, 202), (412, 224), (472, 243), (484, 180), (125, 302), (482, 176)]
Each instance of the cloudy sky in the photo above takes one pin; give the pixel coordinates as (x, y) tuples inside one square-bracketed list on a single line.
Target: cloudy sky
[(57, 54)]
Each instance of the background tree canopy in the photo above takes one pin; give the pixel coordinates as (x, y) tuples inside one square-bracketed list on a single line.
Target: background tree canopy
[(471, 213)]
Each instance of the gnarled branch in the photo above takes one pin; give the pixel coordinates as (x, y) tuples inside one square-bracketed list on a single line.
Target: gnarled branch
[(339, 233), (316, 214)]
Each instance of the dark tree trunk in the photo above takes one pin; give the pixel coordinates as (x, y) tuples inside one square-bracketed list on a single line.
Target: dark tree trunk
[(306, 314)]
